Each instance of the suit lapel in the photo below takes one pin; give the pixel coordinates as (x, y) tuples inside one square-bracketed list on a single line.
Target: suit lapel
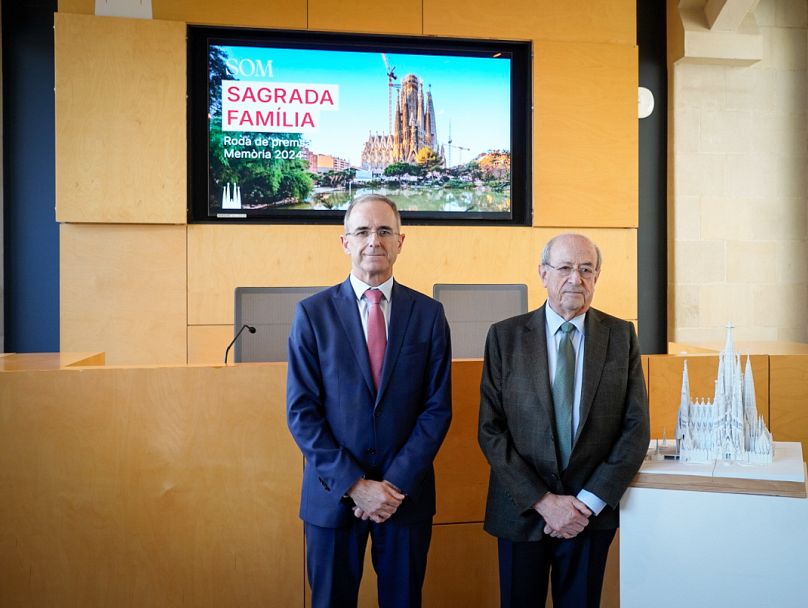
[(535, 361), (348, 313), (400, 312), (597, 341)]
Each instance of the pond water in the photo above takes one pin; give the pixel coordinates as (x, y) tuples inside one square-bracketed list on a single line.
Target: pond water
[(418, 199)]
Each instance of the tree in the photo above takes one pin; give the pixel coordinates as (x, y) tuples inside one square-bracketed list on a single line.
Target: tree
[(336, 179), (401, 168), (217, 71), (262, 180), (295, 185), (495, 165), (428, 158)]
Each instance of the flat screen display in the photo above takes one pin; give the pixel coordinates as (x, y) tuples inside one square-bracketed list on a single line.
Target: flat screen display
[(289, 126)]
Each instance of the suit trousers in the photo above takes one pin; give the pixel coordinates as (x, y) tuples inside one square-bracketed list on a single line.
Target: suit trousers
[(575, 566), (335, 557)]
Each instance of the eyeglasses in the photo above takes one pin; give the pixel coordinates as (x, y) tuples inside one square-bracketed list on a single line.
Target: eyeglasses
[(565, 270), (363, 234)]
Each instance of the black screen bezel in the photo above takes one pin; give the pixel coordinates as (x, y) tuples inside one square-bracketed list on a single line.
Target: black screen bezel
[(200, 37)]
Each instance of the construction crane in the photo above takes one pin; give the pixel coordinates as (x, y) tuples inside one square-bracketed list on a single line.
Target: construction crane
[(458, 148), (391, 76)]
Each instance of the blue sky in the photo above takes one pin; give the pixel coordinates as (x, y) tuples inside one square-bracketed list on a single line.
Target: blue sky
[(470, 92)]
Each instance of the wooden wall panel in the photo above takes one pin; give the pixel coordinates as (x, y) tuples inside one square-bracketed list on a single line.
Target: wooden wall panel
[(85, 7), (123, 291), (375, 16), (594, 21), (665, 381), (575, 186), (249, 13), (610, 596), (207, 343), (598, 21), (789, 399), (461, 469), (461, 570), (149, 487), (221, 258), (368, 593), (462, 567), (585, 135), (120, 120), (645, 359)]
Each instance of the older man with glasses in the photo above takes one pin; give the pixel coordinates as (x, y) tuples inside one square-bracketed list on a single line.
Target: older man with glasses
[(564, 426), (369, 404)]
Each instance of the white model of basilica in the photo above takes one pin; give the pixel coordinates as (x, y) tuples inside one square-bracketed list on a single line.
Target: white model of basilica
[(728, 427)]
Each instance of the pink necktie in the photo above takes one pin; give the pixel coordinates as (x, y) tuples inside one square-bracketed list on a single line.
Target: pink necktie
[(377, 335)]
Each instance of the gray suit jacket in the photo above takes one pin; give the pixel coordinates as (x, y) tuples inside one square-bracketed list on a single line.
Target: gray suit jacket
[(516, 425)]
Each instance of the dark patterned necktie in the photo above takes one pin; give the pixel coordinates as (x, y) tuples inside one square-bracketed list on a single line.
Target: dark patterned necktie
[(377, 334), (563, 392)]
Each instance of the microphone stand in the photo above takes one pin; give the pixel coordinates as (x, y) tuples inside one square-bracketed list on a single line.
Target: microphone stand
[(229, 346)]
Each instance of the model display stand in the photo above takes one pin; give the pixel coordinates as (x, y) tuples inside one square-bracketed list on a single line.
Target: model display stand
[(717, 516), (784, 476), (723, 533)]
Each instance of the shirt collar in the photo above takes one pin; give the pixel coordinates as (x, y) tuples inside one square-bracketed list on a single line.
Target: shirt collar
[(360, 287), (554, 320)]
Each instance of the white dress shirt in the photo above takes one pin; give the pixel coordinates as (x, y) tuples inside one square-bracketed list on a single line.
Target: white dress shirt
[(554, 321), (360, 287)]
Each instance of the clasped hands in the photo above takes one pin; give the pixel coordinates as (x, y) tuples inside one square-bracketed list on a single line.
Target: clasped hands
[(375, 500), (564, 516)]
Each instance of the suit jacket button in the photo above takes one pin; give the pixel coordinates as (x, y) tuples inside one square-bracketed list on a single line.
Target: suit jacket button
[(370, 451), (377, 413), (555, 476)]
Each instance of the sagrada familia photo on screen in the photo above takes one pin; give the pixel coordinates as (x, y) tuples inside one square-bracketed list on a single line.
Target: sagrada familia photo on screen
[(728, 427), (413, 128)]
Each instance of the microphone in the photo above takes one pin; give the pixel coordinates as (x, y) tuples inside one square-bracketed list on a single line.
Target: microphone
[(229, 346)]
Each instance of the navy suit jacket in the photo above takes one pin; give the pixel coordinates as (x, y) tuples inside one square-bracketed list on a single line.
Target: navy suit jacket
[(343, 426)]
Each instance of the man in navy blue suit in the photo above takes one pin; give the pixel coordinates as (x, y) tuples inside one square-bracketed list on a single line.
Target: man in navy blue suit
[(369, 404)]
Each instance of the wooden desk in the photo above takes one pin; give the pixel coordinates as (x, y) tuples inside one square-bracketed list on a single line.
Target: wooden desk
[(152, 486), (15, 362), (179, 485)]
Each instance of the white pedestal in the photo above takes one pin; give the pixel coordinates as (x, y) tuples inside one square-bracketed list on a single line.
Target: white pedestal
[(695, 548)]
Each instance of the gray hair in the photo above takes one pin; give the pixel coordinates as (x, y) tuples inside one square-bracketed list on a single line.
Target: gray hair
[(366, 198), (545, 253)]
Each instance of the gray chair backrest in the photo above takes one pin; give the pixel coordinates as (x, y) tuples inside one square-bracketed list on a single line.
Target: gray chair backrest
[(471, 309), (271, 311)]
